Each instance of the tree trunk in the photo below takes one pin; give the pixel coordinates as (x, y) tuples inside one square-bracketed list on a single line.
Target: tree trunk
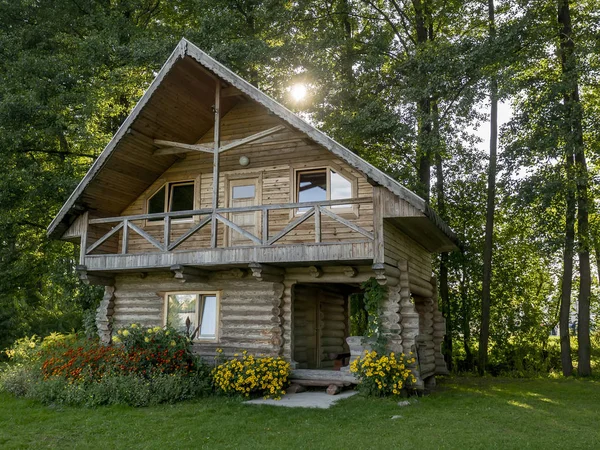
[(441, 209), (567, 279), (574, 140), (466, 323), (423, 107), (489, 220)]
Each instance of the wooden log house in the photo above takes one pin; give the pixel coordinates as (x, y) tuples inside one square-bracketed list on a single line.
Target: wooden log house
[(215, 203)]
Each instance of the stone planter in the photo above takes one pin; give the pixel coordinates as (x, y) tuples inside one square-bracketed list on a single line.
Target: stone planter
[(357, 345)]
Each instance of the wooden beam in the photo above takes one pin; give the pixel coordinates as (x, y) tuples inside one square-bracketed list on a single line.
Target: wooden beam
[(196, 212), (179, 145), (350, 271), (217, 143), (237, 228), (315, 271), (141, 137), (347, 223), (290, 226), (317, 224), (103, 239), (263, 272), (146, 236), (94, 279), (252, 138), (189, 274), (189, 233), (179, 152), (231, 91)]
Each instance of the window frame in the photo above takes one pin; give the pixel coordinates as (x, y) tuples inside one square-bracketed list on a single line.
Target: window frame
[(328, 168), (199, 295), (169, 200)]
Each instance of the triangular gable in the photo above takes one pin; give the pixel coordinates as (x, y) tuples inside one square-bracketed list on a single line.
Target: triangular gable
[(187, 49)]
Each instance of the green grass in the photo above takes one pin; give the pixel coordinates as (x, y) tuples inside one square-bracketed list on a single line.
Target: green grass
[(463, 413)]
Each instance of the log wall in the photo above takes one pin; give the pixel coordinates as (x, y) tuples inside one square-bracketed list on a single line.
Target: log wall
[(249, 314)]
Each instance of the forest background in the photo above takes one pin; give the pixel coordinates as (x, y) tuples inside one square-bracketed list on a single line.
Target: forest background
[(406, 84)]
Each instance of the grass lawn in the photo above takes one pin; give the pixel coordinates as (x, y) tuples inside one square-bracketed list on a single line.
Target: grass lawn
[(463, 413)]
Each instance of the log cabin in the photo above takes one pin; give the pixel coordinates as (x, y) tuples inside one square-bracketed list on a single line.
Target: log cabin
[(213, 202)]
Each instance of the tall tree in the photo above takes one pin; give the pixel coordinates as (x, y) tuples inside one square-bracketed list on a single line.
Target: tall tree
[(491, 205), (574, 140)]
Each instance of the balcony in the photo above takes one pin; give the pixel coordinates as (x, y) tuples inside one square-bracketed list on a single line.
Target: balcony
[(292, 233)]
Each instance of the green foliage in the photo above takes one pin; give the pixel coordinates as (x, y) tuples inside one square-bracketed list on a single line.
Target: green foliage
[(372, 298), (135, 337), (358, 315), (73, 370), (131, 390)]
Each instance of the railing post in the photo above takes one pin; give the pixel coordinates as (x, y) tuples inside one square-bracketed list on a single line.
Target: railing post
[(317, 224), (125, 237), (265, 226), (167, 232)]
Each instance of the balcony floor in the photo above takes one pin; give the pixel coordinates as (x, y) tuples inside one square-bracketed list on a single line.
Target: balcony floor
[(341, 252)]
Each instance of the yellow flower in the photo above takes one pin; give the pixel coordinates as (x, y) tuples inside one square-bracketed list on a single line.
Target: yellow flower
[(119, 331), (125, 333), (173, 343), (147, 339), (116, 339), (134, 325)]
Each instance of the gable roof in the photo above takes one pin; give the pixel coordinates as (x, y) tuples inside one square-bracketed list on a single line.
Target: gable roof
[(183, 52)]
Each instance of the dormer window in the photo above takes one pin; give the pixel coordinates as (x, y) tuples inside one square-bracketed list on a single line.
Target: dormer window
[(172, 197), (322, 184)]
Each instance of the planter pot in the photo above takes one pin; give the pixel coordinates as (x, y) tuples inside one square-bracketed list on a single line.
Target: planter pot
[(358, 345)]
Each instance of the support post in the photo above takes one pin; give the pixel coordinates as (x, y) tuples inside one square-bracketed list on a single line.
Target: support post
[(217, 144), (84, 236), (125, 241)]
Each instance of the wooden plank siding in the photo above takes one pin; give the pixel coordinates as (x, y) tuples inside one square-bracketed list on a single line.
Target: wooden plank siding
[(399, 247), (274, 162)]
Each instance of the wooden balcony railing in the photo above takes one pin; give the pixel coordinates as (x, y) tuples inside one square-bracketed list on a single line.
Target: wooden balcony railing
[(210, 217)]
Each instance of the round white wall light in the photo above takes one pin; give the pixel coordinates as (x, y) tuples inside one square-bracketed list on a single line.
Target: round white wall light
[(244, 161)]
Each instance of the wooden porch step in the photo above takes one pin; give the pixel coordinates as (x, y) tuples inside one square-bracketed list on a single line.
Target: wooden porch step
[(325, 377), (323, 383)]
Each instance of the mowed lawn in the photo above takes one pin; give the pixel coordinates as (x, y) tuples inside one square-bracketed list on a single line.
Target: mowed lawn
[(463, 413)]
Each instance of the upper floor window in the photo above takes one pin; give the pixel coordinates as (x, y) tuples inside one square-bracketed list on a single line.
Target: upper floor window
[(322, 184), (172, 197), (201, 310)]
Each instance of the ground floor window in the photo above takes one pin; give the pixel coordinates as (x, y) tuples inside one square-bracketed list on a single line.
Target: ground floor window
[(199, 309)]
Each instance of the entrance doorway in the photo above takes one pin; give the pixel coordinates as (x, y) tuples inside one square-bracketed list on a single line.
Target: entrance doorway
[(321, 324)]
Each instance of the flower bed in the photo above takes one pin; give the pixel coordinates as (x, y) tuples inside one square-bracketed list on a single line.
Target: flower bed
[(248, 375), (383, 375), (145, 366)]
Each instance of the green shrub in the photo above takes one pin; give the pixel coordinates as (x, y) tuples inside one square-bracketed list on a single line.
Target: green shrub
[(151, 366), (18, 379), (525, 359), (132, 390)]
